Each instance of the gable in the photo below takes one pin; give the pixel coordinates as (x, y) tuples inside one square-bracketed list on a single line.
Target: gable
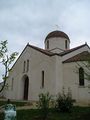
[(73, 49), (76, 51), (66, 55), (42, 51), (84, 56)]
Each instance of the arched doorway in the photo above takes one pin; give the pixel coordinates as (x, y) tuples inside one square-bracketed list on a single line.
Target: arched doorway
[(26, 86)]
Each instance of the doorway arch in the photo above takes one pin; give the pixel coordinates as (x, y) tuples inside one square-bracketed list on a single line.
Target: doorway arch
[(26, 87)]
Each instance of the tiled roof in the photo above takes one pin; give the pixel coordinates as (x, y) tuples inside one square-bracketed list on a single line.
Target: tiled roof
[(84, 56), (57, 34), (41, 50), (71, 50), (49, 53), (46, 52)]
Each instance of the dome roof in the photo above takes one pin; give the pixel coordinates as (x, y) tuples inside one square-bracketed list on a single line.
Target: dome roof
[(57, 34)]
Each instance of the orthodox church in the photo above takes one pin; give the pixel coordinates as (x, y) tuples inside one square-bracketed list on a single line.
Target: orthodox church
[(40, 70)]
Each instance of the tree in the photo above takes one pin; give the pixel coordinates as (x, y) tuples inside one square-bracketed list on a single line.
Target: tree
[(6, 60), (3, 48)]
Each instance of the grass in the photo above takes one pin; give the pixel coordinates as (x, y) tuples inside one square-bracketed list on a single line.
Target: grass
[(78, 113), (13, 102)]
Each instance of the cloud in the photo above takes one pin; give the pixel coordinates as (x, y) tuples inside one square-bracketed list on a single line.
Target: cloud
[(31, 20), (23, 21)]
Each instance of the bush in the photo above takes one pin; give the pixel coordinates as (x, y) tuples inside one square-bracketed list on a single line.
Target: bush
[(44, 104), (64, 102)]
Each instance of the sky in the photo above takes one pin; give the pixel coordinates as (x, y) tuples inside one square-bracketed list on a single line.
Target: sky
[(29, 21)]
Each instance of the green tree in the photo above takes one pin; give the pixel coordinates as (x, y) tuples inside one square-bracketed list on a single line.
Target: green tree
[(6, 60), (3, 48)]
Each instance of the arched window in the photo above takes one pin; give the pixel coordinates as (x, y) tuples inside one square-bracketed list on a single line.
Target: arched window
[(65, 44), (81, 76)]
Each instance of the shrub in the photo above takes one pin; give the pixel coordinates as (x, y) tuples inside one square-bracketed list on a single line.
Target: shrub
[(43, 105), (64, 102)]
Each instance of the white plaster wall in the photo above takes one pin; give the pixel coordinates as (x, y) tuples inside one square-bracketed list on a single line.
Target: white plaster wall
[(71, 80), (15, 73), (38, 62), (41, 62), (59, 74), (71, 54), (57, 42)]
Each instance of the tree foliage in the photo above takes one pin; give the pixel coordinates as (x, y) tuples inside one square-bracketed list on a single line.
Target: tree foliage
[(64, 101), (6, 60), (44, 104), (3, 48)]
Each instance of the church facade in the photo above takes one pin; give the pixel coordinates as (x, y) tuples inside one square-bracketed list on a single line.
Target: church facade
[(40, 70)]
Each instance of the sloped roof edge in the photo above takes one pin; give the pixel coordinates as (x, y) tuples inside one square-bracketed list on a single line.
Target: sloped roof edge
[(73, 49), (46, 52), (36, 48), (83, 56)]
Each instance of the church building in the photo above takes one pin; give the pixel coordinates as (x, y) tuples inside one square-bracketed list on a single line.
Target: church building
[(40, 70)]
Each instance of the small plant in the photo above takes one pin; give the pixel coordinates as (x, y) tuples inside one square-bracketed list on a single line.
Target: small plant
[(44, 104), (64, 102)]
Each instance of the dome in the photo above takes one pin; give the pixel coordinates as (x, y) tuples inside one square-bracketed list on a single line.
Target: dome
[(57, 34)]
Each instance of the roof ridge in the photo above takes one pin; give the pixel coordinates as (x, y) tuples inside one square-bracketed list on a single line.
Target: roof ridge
[(47, 52), (83, 56), (71, 50)]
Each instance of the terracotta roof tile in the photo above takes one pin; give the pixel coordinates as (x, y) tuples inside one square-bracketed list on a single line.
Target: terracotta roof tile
[(49, 53), (46, 52), (84, 56), (71, 50), (57, 33), (41, 50)]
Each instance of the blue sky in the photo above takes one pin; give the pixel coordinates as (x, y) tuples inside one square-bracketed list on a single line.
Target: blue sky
[(23, 21)]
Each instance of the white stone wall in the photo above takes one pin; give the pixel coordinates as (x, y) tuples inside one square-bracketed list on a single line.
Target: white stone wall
[(71, 54), (71, 80), (38, 62), (57, 42), (57, 76)]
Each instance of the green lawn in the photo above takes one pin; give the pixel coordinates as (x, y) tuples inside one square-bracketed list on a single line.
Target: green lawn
[(13, 102), (78, 113)]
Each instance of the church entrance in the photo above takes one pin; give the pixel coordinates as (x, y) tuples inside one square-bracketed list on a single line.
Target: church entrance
[(26, 86)]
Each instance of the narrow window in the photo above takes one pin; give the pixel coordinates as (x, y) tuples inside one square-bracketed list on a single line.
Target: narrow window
[(47, 44), (81, 76), (27, 65), (12, 83), (65, 44), (42, 79), (24, 65)]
